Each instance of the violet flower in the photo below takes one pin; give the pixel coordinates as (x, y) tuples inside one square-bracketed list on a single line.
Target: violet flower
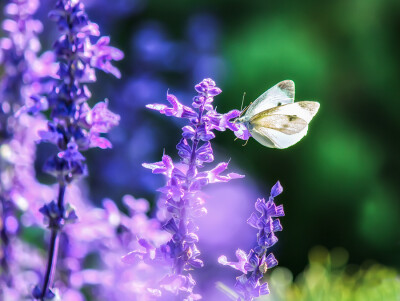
[(74, 126), (109, 233), (23, 73), (256, 263), (182, 193)]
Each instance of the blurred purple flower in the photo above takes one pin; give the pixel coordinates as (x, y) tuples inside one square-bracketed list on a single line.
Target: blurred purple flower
[(24, 73), (256, 263), (118, 9), (110, 233)]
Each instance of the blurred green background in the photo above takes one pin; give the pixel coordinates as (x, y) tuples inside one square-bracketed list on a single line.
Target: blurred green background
[(342, 180)]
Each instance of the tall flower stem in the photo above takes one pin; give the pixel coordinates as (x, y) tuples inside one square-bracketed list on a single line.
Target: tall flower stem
[(53, 247), (5, 241)]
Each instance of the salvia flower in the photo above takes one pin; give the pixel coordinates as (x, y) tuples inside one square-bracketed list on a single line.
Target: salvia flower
[(23, 72), (182, 198), (74, 126), (256, 263)]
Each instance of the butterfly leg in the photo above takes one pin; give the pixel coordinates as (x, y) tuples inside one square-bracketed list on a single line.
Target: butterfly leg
[(245, 142)]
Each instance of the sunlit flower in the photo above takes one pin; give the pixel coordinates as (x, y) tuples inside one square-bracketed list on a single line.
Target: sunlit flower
[(256, 263)]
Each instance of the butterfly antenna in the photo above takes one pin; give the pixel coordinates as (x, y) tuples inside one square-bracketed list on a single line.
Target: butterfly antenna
[(241, 107), (245, 109)]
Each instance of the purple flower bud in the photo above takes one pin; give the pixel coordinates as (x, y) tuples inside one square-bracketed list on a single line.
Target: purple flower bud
[(71, 153), (204, 154), (214, 91), (276, 190), (271, 261), (188, 132), (204, 134), (100, 119)]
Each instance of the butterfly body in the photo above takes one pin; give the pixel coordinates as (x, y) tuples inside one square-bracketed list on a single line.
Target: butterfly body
[(275, 120)]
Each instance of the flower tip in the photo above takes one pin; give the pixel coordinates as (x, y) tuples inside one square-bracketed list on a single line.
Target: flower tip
[(129, 258), (36, 292), (276, 190), (117, 74), (223, 260)]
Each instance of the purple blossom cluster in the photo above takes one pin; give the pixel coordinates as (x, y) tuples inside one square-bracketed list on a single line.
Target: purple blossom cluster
[(255, 264), (24, 73), (74, 126), (181, 195), (106, 233)]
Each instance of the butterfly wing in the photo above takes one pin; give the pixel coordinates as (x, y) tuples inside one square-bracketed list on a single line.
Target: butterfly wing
[(280, 94), (262, 138), (285, 125), (276, 139)]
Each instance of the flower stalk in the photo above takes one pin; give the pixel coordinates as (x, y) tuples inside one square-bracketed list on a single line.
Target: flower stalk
[(74, 126), (181, 195)]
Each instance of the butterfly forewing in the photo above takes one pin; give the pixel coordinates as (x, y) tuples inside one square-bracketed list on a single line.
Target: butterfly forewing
[(280, 94)]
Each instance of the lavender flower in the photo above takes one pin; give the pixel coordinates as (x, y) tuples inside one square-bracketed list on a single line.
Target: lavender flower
[(74, 126), (24, 73), (181, 194), (111, 233), (256, 263)]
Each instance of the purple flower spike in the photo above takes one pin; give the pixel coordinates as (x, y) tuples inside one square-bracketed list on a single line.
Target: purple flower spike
[(181, 195), (74, 127), (258, 261)]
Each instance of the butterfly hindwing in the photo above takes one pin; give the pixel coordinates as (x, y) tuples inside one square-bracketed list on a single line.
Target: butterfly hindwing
[(278, 138), (261, 138)]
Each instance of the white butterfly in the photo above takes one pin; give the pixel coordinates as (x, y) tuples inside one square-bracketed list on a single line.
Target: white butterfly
[(275, 120)]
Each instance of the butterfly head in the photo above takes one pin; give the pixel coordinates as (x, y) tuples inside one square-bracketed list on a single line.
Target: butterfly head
[(240, 119), (243, 120)]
